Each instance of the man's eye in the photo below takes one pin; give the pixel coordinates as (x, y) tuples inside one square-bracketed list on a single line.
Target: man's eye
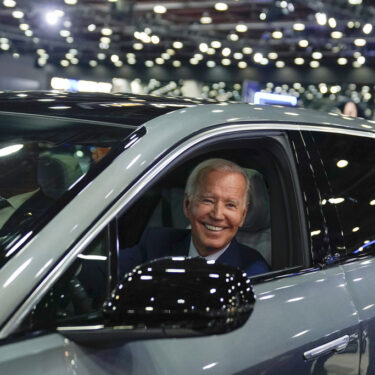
[(207, 200), (231, 205)]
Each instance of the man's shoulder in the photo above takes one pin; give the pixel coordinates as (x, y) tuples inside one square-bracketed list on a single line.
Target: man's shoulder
[(248, 251)]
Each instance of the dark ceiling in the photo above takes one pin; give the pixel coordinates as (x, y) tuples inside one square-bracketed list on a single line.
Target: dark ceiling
[(140, 36)]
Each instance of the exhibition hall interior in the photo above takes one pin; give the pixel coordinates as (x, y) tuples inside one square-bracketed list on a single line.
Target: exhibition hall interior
[(313, 54)]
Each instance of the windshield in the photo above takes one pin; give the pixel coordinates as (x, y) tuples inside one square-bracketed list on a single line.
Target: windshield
[(41, 159)]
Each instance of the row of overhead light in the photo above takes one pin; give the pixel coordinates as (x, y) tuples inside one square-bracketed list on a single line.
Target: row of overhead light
[(223, 55)]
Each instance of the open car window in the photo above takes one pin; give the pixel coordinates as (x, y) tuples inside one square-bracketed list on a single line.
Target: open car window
[(269, 223)]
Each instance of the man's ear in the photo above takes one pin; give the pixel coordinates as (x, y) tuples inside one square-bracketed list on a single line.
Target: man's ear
[(186, 205), (244, 214)]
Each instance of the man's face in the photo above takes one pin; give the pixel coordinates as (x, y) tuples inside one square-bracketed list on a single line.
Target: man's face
[(217, 210)]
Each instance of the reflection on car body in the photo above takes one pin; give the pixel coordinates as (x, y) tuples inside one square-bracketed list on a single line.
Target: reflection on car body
[(113, 166)]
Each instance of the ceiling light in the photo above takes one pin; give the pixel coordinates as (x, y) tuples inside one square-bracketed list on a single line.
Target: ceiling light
[(105, 40), (263, 16), (355, 2), (9, 3), (361, 60), (303, 43), (205, 20), (215, 44), (69, 40), (171, 52), (70, 2), (314, 64), (160, 9), (233, 37), (93, 63), (336, 34), (273, 55), (115, 58), (367, 28), (24, 26), (221, 7), (119, 64), (177, 44), (194, 61), (321, 18), (299, 26), (264, 61), (64, 33), (138, 46), (242, 65), (67, 24), (101, 56), (166, 56), (211, 64), (342, 163), (106, 31), (247, 50), (360, 42), (29, 33), (342, 61), (91, 27), (280, 64), (226, 62), (277, 34), (17, 14), (241, 28), (149, 63), (176, 63), (238, 55), (155, 39), (64, 63), (211, 51), (258, 57), (226, 51), (317, 55), (203, 47), (332, 23), (299, 60), (159, 60)]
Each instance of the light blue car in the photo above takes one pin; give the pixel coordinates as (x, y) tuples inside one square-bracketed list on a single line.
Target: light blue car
[(83, 176)]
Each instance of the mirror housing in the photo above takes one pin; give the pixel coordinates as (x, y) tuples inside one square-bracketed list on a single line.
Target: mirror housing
[(182, 293), (171, 297)]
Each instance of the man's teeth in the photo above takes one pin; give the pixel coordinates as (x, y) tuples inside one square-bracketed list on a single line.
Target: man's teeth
[(211, 227)]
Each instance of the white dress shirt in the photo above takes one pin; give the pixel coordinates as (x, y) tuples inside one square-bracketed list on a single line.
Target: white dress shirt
[(193, 252), (14, 203)]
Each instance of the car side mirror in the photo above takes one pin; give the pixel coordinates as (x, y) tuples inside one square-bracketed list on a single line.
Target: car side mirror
[(175, 297)]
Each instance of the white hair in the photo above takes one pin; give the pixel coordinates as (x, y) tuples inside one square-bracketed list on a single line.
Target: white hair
[(215, 164)]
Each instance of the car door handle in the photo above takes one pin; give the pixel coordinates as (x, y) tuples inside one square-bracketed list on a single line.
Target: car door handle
[(337, 345)]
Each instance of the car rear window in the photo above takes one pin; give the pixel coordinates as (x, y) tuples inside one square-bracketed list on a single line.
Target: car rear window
[(41, 160)]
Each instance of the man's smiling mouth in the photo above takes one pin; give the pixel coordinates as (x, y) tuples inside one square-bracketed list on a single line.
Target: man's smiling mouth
[(213, 228)]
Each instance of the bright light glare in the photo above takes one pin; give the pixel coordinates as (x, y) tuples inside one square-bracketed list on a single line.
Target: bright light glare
[(5, 151), (53, 17), (342, 163)]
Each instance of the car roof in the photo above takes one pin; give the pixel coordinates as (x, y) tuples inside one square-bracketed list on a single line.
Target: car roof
[(135, 110), (126, 109)]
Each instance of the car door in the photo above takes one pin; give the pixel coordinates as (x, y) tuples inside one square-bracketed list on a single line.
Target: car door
[(303, 319), (348, 160)]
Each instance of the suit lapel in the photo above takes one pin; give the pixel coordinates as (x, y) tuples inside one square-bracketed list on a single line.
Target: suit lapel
[(231, 256)]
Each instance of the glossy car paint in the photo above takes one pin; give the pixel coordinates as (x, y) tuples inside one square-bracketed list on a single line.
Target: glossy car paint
[(305, 310)]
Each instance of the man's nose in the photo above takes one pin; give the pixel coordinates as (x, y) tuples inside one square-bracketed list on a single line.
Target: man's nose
[(217, 211)]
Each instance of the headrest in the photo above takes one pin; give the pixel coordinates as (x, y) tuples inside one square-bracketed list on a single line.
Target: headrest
[(56, 172), (258, 214)]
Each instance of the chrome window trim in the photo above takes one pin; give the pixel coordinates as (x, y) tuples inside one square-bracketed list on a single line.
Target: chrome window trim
[(118, 206)]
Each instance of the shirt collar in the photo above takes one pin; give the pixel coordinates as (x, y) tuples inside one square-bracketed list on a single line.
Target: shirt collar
[(193, 252)]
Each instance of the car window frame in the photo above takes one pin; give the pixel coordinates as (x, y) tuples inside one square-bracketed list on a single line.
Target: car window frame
[(132, 191)]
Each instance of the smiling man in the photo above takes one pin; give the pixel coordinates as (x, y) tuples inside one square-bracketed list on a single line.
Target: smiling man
[(215, 203)]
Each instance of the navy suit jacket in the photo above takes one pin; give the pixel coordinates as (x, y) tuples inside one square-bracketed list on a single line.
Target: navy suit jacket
[(161, 242)]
